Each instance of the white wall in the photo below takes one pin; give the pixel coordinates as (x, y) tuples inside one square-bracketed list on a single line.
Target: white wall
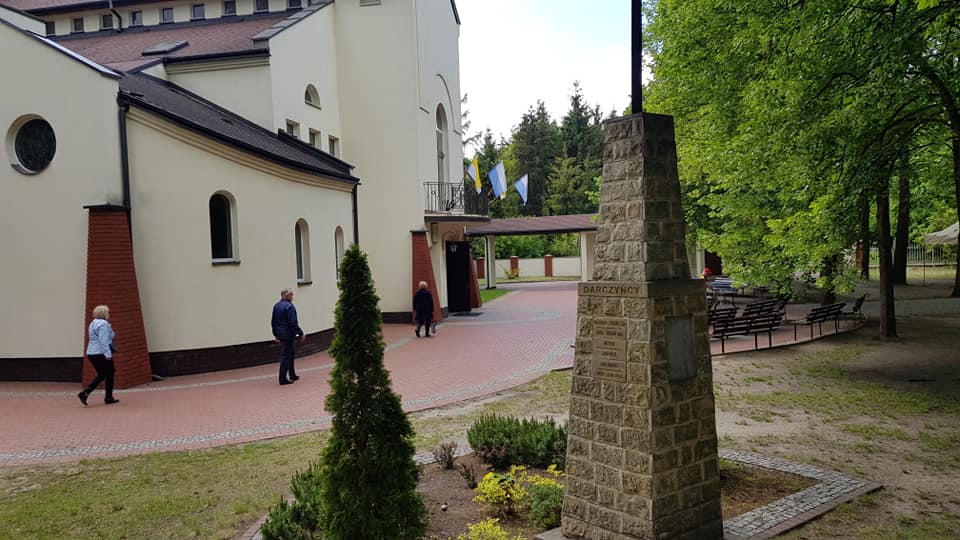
[(246, 90), (188, 302), (438, 79), (378, 114), (23, 21), (303, 54), (43, 225), (562, 266)]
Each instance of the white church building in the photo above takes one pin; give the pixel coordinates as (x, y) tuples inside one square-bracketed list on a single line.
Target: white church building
[(184, 161)]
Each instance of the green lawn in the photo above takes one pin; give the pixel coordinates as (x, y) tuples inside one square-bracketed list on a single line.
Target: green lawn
[(489, 294), (916, 274)]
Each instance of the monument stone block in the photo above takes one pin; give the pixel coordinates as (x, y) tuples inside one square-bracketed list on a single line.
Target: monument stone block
[(642, 449)]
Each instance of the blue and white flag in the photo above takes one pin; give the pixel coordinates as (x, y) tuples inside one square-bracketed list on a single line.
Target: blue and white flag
[(498, 180), (521, 186)]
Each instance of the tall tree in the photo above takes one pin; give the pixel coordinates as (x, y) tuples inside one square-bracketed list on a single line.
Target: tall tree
[(535, 145), (901, 242), (369, 478)]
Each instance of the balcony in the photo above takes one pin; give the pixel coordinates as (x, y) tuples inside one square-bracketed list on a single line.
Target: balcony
[(453, 198)]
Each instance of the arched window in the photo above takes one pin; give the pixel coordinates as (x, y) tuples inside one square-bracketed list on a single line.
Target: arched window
[(301, 236), (338, 247), (311, 96), (223, 228), (441, 144)]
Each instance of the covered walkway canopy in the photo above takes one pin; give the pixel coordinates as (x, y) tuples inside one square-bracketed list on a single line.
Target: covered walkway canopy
[(947, 236), (585, 224)]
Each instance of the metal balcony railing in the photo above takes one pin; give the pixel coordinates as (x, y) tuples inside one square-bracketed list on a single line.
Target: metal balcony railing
[(453, 198)]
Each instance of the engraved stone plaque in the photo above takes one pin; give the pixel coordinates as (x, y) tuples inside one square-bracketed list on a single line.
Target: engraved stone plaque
[(680, 355), (610, 349)]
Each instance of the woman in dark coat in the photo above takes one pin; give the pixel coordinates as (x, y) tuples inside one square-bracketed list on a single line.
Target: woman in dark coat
[(423, 306)]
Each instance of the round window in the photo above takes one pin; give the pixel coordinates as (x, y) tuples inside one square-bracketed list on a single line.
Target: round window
[(35, 144)]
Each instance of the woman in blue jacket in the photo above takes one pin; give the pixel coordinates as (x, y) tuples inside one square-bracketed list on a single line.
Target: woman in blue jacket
[(100, 353)]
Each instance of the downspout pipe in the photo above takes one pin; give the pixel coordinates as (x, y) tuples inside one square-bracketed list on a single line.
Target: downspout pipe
[(356, 231), (124, 158)]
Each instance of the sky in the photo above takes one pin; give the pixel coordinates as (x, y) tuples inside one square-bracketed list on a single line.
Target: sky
[(514, 52)]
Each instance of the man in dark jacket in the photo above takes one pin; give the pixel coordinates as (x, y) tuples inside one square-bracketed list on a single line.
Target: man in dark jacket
[(286, 330), (423, 306)]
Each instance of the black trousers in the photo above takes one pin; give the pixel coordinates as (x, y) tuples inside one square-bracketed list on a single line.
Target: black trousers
[(287, 351), (105, 371), (421, 322)]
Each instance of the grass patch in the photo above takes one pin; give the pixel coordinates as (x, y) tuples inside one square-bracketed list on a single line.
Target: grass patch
[(487, 295), (210, 493), (827, 388), (873, 431)]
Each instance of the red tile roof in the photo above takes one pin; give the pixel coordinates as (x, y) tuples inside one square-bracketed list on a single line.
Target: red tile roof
[(217, 36)]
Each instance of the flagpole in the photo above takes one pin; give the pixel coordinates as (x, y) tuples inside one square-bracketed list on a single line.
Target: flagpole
[(636, 58)]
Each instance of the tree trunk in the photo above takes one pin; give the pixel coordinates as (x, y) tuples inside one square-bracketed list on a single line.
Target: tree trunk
[(888, 317), (956, 181), (865, 239), (902, 242), (830, 265)]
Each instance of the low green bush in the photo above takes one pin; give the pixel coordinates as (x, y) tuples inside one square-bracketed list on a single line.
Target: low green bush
[(488, 529), (545, 502), (505, 440), (297, 520)]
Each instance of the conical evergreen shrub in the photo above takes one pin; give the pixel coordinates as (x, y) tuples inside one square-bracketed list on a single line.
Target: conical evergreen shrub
[(368, 478)]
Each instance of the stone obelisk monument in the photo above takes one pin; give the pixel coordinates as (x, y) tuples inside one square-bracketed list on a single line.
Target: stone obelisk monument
[(642, 449)]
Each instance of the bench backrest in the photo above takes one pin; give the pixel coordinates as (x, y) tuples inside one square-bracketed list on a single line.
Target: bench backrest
[(823, 313), (721, 314), (761, 306), (763, 322)]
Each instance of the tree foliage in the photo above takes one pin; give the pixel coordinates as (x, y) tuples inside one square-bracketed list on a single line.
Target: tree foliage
[(791, 115), (369, 478)]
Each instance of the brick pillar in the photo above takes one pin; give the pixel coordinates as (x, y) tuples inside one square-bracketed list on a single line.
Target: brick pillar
[(548, 265), (423, 271), (481, 267), (112, 280), (514, 263), (475, 300)]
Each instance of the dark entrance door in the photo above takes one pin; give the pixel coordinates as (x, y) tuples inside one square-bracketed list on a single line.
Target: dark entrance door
[(458, 276)]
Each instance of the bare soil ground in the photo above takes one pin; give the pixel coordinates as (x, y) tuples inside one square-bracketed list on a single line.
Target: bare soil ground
[(743, 489)]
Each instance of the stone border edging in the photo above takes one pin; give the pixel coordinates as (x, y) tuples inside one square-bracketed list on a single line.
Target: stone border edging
[(833, 489)]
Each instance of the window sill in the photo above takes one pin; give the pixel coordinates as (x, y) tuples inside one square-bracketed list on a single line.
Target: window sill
[(304, 282), (316, 106), (224, 262)]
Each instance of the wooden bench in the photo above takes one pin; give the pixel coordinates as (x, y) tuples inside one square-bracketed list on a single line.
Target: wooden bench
[(855, 313), (759, 307), (743, 326), (720, 315), (818, 316)]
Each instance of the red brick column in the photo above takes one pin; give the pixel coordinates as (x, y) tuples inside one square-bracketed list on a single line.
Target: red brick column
[(475, 300), (112, 280), (514, 263), (423, 271), (480, 265), (548, 265)]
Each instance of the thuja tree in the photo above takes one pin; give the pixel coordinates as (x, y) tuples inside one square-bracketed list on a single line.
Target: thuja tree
[(368, 479)]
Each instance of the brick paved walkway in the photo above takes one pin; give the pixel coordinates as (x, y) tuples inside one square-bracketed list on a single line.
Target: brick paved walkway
[(517, 338)]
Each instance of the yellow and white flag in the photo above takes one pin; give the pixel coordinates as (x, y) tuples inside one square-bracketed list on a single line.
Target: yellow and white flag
[(474, 171)]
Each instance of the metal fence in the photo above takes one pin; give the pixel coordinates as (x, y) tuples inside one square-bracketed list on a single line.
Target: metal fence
[(921, 255)]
